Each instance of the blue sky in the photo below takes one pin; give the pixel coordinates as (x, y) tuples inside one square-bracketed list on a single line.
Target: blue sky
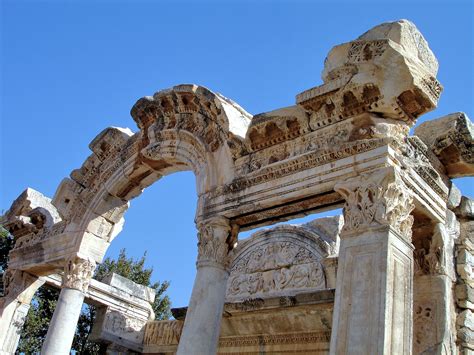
[(71, 68)]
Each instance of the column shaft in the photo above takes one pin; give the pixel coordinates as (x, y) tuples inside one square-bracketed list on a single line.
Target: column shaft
[(76, 278), (63, 325), (203, 319), (202, 326)]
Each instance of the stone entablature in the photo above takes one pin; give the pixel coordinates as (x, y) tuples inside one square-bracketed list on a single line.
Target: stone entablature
[(123, 309)]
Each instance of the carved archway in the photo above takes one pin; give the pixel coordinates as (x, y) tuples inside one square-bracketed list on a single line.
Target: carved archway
[(184, 128)]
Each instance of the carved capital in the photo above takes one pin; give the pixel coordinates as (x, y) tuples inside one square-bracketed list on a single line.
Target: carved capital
[(78, 273), (377, 199), (213, 245)]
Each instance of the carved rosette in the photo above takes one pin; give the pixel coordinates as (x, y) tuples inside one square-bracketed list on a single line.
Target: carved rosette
[(78, 273), (377, 199), (213, 244)]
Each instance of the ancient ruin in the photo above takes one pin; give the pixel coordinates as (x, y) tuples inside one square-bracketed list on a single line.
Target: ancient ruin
[(393, 275)]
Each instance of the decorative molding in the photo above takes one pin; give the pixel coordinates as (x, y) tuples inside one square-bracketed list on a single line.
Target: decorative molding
[(292, 338), (78, 273)]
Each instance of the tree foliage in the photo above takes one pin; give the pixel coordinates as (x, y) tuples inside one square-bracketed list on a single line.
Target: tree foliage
[(6, 244), (44, 302)]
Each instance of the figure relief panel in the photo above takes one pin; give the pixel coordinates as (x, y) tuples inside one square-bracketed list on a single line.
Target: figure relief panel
[(277, 262)]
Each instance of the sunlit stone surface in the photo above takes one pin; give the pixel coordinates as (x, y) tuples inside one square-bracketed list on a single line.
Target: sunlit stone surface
[(393, 275)]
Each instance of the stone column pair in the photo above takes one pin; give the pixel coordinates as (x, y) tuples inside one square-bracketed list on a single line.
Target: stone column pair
[(76, 278), (374, 291)]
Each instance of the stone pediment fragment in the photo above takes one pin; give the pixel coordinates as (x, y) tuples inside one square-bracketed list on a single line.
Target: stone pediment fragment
[(389, 71), (451, 138), (29, 213), (270, 128)]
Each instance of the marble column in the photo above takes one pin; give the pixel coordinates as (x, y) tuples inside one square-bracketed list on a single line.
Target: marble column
[(76, 278), (203, 319), (20, 288), (374, 292)]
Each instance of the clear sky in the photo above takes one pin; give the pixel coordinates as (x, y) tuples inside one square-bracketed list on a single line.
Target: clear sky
[(71, 68)]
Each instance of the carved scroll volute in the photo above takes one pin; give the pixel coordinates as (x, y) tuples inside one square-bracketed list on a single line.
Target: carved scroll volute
[(213, 245), (78, 273), (377, 199)]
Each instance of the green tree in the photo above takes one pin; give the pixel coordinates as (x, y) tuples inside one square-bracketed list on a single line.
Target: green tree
[(6, 244), (44, 302), (131, 269)]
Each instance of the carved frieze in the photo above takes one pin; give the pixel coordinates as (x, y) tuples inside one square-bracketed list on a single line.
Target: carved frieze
[(167, 332), (78, 273), (123, 326)]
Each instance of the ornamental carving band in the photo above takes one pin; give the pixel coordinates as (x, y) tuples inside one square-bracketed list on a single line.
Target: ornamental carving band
[(78, 273)]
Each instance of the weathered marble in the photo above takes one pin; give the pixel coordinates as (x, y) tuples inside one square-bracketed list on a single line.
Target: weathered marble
[(344, 143), (451, 138), (262, 325), (14, 305)]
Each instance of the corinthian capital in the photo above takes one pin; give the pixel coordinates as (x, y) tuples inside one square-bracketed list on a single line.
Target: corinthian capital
[(213, 247), (377, 199), (78, 273)]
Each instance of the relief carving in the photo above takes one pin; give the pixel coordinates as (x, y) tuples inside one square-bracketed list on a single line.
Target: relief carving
[(213, 247), (167, 332), (78, 273), (119, 324), (273, 269), (370, 203), (424, 320), (438, 259)]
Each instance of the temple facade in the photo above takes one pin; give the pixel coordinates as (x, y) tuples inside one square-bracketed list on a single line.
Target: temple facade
[(392, 275)]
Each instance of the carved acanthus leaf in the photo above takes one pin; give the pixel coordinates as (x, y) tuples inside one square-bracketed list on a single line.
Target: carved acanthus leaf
[(213, 248), (78, 273), (370, 202)]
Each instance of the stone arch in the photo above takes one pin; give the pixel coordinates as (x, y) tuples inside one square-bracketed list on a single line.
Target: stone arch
[(186, 127)]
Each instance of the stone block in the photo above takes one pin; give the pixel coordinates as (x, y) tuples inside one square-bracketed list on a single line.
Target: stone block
[(466, 337), (354, 81), (466, 273), (465, 319), (124, 284), (454, 197), (464, 296), (465, 257), (451, 138), (465, 208)]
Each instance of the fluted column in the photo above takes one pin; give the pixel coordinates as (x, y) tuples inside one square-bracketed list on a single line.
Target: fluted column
[(374, 291), (20, 288), (76, 278), (203, 319)]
